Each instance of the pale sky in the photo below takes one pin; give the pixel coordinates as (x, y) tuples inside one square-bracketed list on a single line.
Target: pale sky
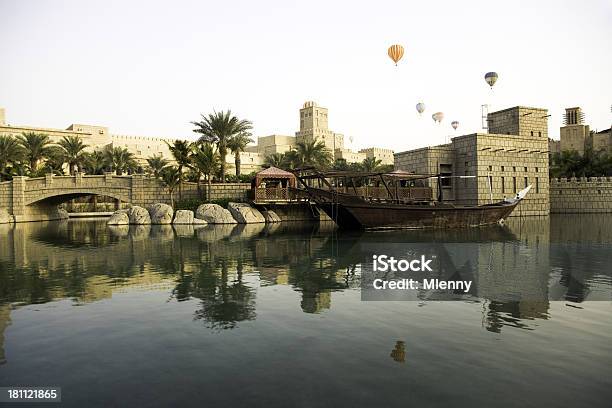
[(149, 68)]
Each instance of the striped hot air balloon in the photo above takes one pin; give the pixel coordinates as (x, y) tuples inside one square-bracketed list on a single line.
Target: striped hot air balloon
[(491, 78), (396, 52)]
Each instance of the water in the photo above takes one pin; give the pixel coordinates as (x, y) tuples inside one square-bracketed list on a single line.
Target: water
[(273, 316)]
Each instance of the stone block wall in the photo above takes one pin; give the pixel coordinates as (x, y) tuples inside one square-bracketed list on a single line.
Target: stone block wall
[(6, 195), (230, 191), (583, 195)]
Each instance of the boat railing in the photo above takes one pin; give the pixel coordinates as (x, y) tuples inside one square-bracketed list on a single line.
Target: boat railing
[(381, 193)]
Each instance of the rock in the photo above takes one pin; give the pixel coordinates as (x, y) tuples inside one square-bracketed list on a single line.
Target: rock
[(119, 218), (214, 214), (5, 217), (183, 230), (139, 216), (270, 216), (183, 217), (161, 213), (245, 214), (197, 221), (120, 231)]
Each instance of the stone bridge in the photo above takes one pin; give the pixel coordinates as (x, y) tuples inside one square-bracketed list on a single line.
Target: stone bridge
[(37, 199)]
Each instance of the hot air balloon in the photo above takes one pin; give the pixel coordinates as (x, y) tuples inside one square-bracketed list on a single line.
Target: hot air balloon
[(491, 78), (420, 107), (396, 52), (455, 124), (437, 117)]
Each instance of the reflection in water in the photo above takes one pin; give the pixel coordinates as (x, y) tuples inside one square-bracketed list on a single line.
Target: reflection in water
[(244, 308), (223, 267), (398, 353)]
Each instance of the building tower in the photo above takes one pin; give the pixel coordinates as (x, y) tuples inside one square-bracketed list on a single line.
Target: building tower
[(314, 127), (574, 133)]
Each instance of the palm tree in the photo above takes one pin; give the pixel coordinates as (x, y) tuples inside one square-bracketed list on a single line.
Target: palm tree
[(54, 162), (74, 152), (171, 177), (275, 160), (120, 159), (313, 153), (181, 150), (95, 162), (237, 144), (219, 127), (156, 165), (206, 161), (36, 147), (371, 164), (10, 152)]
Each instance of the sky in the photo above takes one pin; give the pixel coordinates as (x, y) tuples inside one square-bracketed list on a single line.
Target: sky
[(150, 68)]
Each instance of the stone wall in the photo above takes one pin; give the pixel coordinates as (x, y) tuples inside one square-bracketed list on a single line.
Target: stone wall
[(36, 199), (230, 191), (583, 195)]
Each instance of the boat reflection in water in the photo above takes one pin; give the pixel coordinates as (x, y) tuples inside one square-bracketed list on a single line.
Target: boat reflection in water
[(248, 307), (516, 269)]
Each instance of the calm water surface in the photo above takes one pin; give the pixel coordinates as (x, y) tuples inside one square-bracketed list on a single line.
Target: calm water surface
[(273, 316)]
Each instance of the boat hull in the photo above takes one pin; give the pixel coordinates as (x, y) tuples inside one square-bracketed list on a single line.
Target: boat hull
[(381, 216), (351, 212)]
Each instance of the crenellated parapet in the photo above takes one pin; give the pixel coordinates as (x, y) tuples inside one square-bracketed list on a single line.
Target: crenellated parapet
[(581, 195)]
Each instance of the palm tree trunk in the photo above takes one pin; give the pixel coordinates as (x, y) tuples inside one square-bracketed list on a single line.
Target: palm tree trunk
[(222, 153), (180, 169), (209, 182), (237, 163)]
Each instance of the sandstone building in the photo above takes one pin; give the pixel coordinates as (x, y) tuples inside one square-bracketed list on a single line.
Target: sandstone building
[(511, 156), (96, 138), (577, 136), (314, 121)]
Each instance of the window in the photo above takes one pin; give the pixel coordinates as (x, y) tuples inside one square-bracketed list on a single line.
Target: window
[(513, 168), (536, 169), (490, 168), (539, 134), (514, 184), (503, 185), (502, 168), (525, 169), (532, 133), (537, 185), (446, 170), (526, 181)]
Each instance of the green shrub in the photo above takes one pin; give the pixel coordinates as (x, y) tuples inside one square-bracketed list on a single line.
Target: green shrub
[(187, 204)]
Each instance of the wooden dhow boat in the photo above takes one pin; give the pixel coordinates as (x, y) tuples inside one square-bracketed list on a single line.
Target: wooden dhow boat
[(401, 200)]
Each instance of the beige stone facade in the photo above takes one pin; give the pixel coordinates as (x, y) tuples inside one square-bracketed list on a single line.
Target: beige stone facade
[(349, 155), (577, 136), (499, 165), (583, 195), (379, 153), (97, 138), (314, 120), (314, 127)]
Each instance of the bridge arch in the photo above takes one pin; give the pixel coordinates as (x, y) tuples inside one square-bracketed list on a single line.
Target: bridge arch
[(63, 196)]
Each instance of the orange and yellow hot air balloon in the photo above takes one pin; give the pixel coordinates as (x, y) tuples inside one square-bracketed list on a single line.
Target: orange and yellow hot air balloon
[(396, 52)]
